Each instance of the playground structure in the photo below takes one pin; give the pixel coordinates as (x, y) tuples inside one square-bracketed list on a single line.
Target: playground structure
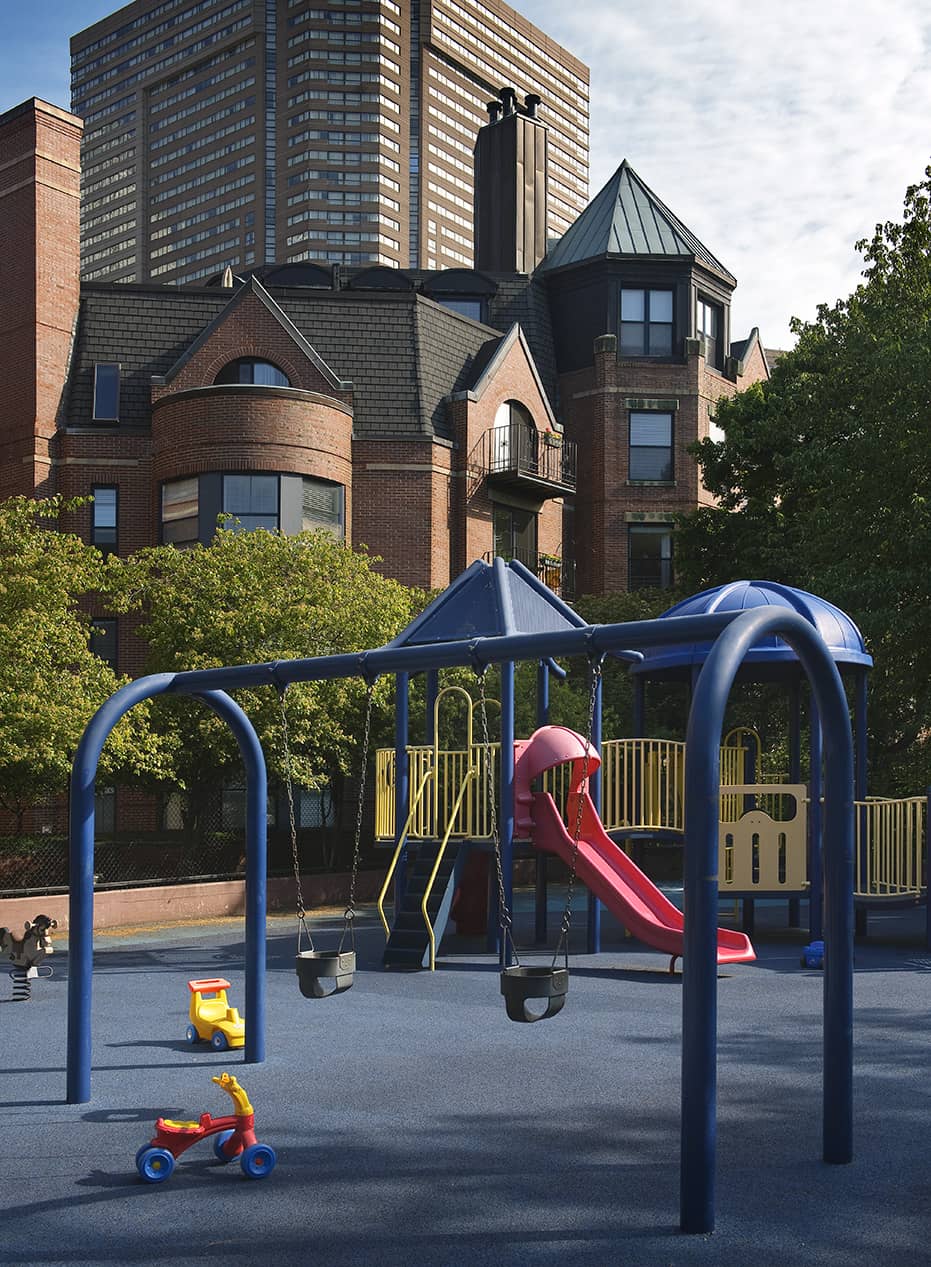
[(521, 620), (770, 825)]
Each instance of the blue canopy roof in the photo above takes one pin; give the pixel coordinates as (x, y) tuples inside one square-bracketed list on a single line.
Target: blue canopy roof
[(490, 600), (843, 638)]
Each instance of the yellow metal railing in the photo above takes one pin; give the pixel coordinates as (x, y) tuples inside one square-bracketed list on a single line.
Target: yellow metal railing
[(446, 810), (402, 840), (891, 844)]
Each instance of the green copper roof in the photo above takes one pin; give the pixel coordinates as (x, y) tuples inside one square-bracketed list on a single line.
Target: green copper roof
[(627, 218)]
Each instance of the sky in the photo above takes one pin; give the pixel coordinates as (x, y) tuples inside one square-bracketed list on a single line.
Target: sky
[(780, 133)]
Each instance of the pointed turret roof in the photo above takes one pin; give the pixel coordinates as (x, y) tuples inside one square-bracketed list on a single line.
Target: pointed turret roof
[(627, 218)]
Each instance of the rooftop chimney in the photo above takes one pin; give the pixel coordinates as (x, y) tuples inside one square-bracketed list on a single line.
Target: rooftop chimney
[(510, 187)]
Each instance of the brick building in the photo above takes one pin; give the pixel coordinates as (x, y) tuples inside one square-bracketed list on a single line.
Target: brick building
[(538, 406)]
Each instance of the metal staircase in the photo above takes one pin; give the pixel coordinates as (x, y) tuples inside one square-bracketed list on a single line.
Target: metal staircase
[(409, 942)]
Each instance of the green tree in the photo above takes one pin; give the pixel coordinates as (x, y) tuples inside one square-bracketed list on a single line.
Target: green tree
[(51, 682), (253, 597), (823, 478)]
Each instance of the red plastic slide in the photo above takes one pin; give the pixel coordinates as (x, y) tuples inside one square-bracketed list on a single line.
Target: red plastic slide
[(630, 896), (604, 868)]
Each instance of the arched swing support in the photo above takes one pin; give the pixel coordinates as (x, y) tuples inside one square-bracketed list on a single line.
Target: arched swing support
[(733, 634), (81, 904)]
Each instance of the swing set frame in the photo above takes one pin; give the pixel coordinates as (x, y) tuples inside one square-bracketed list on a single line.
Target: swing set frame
[(732, 634)]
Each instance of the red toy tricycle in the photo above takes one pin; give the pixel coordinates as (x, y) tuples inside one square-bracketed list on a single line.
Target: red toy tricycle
[(235, 1137)]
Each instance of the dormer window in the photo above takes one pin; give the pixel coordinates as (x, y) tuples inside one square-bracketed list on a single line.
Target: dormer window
[(106, 392), (249, 369), (646, 322)]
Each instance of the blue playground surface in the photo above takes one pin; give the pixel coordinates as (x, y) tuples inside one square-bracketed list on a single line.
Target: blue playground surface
[(414, 1124)]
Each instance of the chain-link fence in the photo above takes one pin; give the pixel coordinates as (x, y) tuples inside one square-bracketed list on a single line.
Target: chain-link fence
[(187, 848)]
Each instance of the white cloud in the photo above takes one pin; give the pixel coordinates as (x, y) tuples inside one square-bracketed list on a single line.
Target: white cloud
[(779, 132)]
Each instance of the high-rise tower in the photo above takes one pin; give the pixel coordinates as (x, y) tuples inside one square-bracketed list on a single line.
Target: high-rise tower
[(244, 132)]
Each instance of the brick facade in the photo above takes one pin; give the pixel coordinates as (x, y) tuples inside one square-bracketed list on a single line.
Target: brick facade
[(39, 223)]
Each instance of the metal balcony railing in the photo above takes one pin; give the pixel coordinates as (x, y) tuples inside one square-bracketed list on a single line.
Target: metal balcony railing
[(515, 453)]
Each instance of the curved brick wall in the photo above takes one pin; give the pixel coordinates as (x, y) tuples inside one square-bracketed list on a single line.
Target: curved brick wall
[(240, 428)]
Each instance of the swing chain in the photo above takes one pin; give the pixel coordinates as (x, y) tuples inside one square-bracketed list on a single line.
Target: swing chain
[(504, 915), (350, 913), (596, 670), (289, 788)]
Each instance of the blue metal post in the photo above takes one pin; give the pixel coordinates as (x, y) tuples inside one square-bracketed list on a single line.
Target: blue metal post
[(699, 990), (81, 904), (594, 905), (506, 807), (540, 886), (433, 689), (795, 773), (815, 830), (402, 788), (640, 706)]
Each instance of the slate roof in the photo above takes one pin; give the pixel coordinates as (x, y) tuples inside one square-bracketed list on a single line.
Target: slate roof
[(403, 353), (626, 218)]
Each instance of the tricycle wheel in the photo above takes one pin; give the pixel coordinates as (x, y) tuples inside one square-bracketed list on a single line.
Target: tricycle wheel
[(258, 1161), (140, 1152), (218, 1146), (219, 1041), (155, 1165), (192, 1035)]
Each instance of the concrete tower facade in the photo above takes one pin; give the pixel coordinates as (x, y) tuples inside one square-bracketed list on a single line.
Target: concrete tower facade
[(246, 132)]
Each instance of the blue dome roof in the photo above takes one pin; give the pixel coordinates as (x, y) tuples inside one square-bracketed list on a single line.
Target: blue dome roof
[(843, 638)]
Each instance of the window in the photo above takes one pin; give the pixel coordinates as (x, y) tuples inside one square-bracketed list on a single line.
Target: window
[(514, 439), (180, 511), (107, 392), (253, 500), (103, 640), (646, 323), (248, 369), (650, 556), (708, 326), (105, 810), (651, 446), (103, 517), (515, 533), (322, 508)]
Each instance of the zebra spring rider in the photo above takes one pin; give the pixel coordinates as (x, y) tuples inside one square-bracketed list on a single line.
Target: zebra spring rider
[(520, 983), (321, 973), (26, 953)]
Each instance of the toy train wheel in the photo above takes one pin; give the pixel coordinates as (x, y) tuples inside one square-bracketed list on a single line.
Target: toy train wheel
[(219, 1041), (520, 985), (321, 973), (258, 1161), (192, 1035), (155, 1164)]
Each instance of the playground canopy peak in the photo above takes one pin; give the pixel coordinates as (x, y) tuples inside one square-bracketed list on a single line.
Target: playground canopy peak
[(490, 600), (771, 656)]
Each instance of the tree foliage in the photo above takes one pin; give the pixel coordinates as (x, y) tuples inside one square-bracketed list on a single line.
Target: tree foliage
[(51, 682), (253, 597), (823, 478)]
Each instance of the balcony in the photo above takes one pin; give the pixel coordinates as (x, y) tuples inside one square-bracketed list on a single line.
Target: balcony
[(515, 456)]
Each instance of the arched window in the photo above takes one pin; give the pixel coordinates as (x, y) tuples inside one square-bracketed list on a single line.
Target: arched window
[(249, 369), (514, 439)]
